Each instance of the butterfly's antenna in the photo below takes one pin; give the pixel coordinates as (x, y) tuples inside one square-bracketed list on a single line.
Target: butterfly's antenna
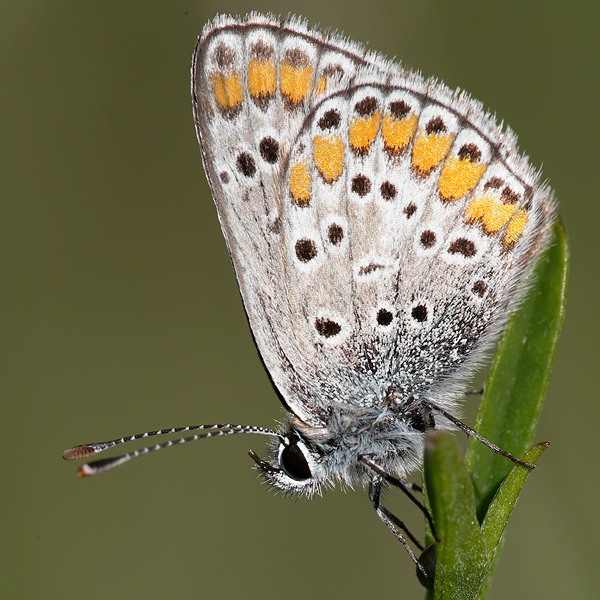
[(99, 466)]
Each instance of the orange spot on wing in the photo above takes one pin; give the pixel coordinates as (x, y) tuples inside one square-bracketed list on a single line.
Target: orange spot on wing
[(397, 133), (458, 177), (429, 150), (363, 130), (328, 154), (477, 207), (262, 78), (300, 184), (515, 227), (491, 212), (322, 85), (227, 89), (295, 82)]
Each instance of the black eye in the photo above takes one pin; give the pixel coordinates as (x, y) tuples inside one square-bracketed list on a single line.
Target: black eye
[(294, 464)]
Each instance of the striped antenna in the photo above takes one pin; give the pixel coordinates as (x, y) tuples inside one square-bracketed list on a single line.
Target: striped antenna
[(99, 466)]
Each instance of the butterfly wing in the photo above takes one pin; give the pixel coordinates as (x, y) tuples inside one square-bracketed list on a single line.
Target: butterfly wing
[(380, 227), (254, 82)]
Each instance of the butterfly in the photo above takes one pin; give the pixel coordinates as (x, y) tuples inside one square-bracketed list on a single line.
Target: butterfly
[(382, 229)]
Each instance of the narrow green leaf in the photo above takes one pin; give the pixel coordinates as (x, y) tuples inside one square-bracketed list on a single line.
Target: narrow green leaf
[(504, 501), (501, 508), (518, 379), (485, 587), (461, 554)]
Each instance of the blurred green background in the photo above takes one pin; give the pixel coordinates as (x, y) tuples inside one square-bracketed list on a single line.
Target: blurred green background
[(120, 312)]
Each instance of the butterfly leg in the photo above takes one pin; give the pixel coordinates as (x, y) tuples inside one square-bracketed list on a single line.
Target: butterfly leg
[(393, 523), (375, 496), (405, 487)]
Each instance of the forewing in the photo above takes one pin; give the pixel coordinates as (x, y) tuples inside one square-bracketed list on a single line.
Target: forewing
[(254, 81)]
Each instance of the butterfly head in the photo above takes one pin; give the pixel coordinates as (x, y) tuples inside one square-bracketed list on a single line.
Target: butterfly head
[(293, 464)]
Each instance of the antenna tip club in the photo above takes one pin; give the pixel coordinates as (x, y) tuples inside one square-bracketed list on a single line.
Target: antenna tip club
[(85, 471), (78, 452)]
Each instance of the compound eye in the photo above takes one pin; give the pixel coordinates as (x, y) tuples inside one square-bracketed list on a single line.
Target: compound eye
[(294, 463)]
